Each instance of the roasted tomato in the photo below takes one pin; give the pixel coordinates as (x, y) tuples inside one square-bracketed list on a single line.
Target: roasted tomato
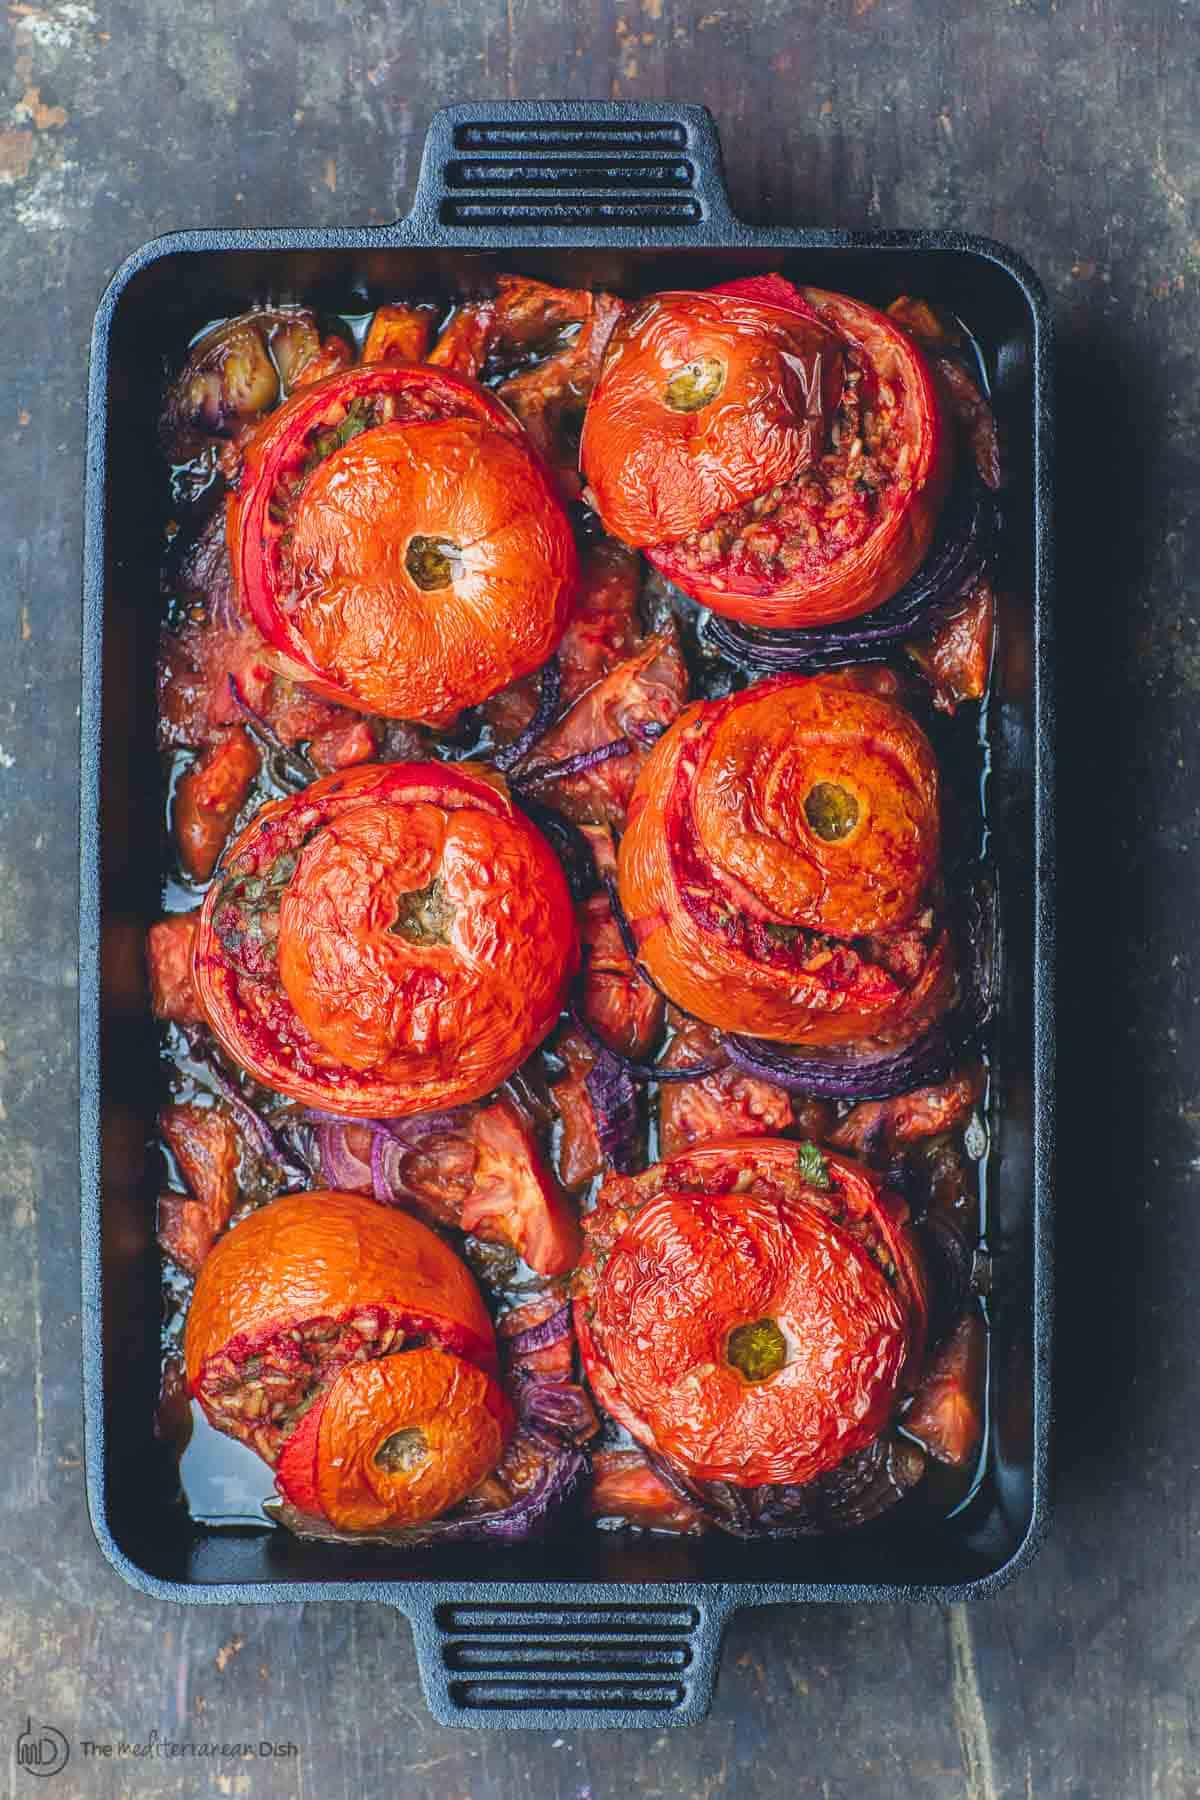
[(706, 401), (725, 1104), (752, 1313), (208, 798), (782, 851), (350, 1338), (548, 343), (397, 540), (781, 487), (391, 940)]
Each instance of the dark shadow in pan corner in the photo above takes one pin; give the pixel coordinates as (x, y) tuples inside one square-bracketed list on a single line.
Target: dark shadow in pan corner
[(1106, 483)]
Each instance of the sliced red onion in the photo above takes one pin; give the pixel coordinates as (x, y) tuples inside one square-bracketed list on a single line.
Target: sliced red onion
[(949, 1260), (853, 1074), (640, 1071), (867, 1484), (578, 764), (561, 1409), (541, 1336), (289, 766), (614, 1103), (568, 843), (628, 940), (562, 1466), (267, 1141), (509, 755), (961, 551), (340, 1167)]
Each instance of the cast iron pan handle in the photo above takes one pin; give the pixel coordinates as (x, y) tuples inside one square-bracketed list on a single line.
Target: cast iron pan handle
[(517, 165), (498, 1665)]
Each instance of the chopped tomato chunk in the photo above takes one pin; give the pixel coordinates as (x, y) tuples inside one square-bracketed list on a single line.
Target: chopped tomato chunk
[(624, 1486), (947, 1409), (209, 797), (515, 1199), (580, 1157), (169, 959), (877, 1126), (956, 658), (205, 1146), (400, 331), (724, 1105), (343, 743), (618, 1003)]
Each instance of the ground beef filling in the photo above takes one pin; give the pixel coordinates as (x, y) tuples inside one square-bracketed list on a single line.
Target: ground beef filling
[(260, 1398), (803, 525)]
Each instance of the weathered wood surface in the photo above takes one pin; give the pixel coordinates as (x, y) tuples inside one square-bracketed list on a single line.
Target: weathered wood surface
[(1067, 129)]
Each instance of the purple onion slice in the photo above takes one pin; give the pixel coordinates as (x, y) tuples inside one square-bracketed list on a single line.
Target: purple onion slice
[(509, 755), (340, 1167), (961, 551), (867, 1072), (568, 843), (540, 1337), (614, 1102), (578, 764)]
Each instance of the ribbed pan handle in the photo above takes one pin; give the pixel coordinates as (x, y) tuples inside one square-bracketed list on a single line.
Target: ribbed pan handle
[(518, 165), (499, 1666)]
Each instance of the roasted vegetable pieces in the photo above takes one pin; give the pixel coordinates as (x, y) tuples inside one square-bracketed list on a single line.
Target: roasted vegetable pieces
[(573, 1035)]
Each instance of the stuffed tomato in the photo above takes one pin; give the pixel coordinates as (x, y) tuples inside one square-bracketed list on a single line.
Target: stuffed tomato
[(780, 870), (389, 941), (349, 1346), (399, 543), (780, 453), (753, 1312)]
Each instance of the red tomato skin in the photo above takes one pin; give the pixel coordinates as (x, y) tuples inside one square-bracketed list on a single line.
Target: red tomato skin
[(490, 1012)]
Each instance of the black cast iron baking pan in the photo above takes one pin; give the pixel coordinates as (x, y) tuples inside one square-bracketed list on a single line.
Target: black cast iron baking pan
[(582, 1629)]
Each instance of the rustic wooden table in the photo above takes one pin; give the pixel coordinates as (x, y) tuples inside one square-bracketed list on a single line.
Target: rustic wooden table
[(1067, 128)]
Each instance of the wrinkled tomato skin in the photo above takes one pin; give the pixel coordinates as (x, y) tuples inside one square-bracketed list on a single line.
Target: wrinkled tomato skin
[(461, 470), (321, 1254), (429, 1021), (720, 864), (659, 471), (720, 1238), (836, 584)]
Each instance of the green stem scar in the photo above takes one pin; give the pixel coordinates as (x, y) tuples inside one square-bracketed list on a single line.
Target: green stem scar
[(431, 561), (757, 1351)]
